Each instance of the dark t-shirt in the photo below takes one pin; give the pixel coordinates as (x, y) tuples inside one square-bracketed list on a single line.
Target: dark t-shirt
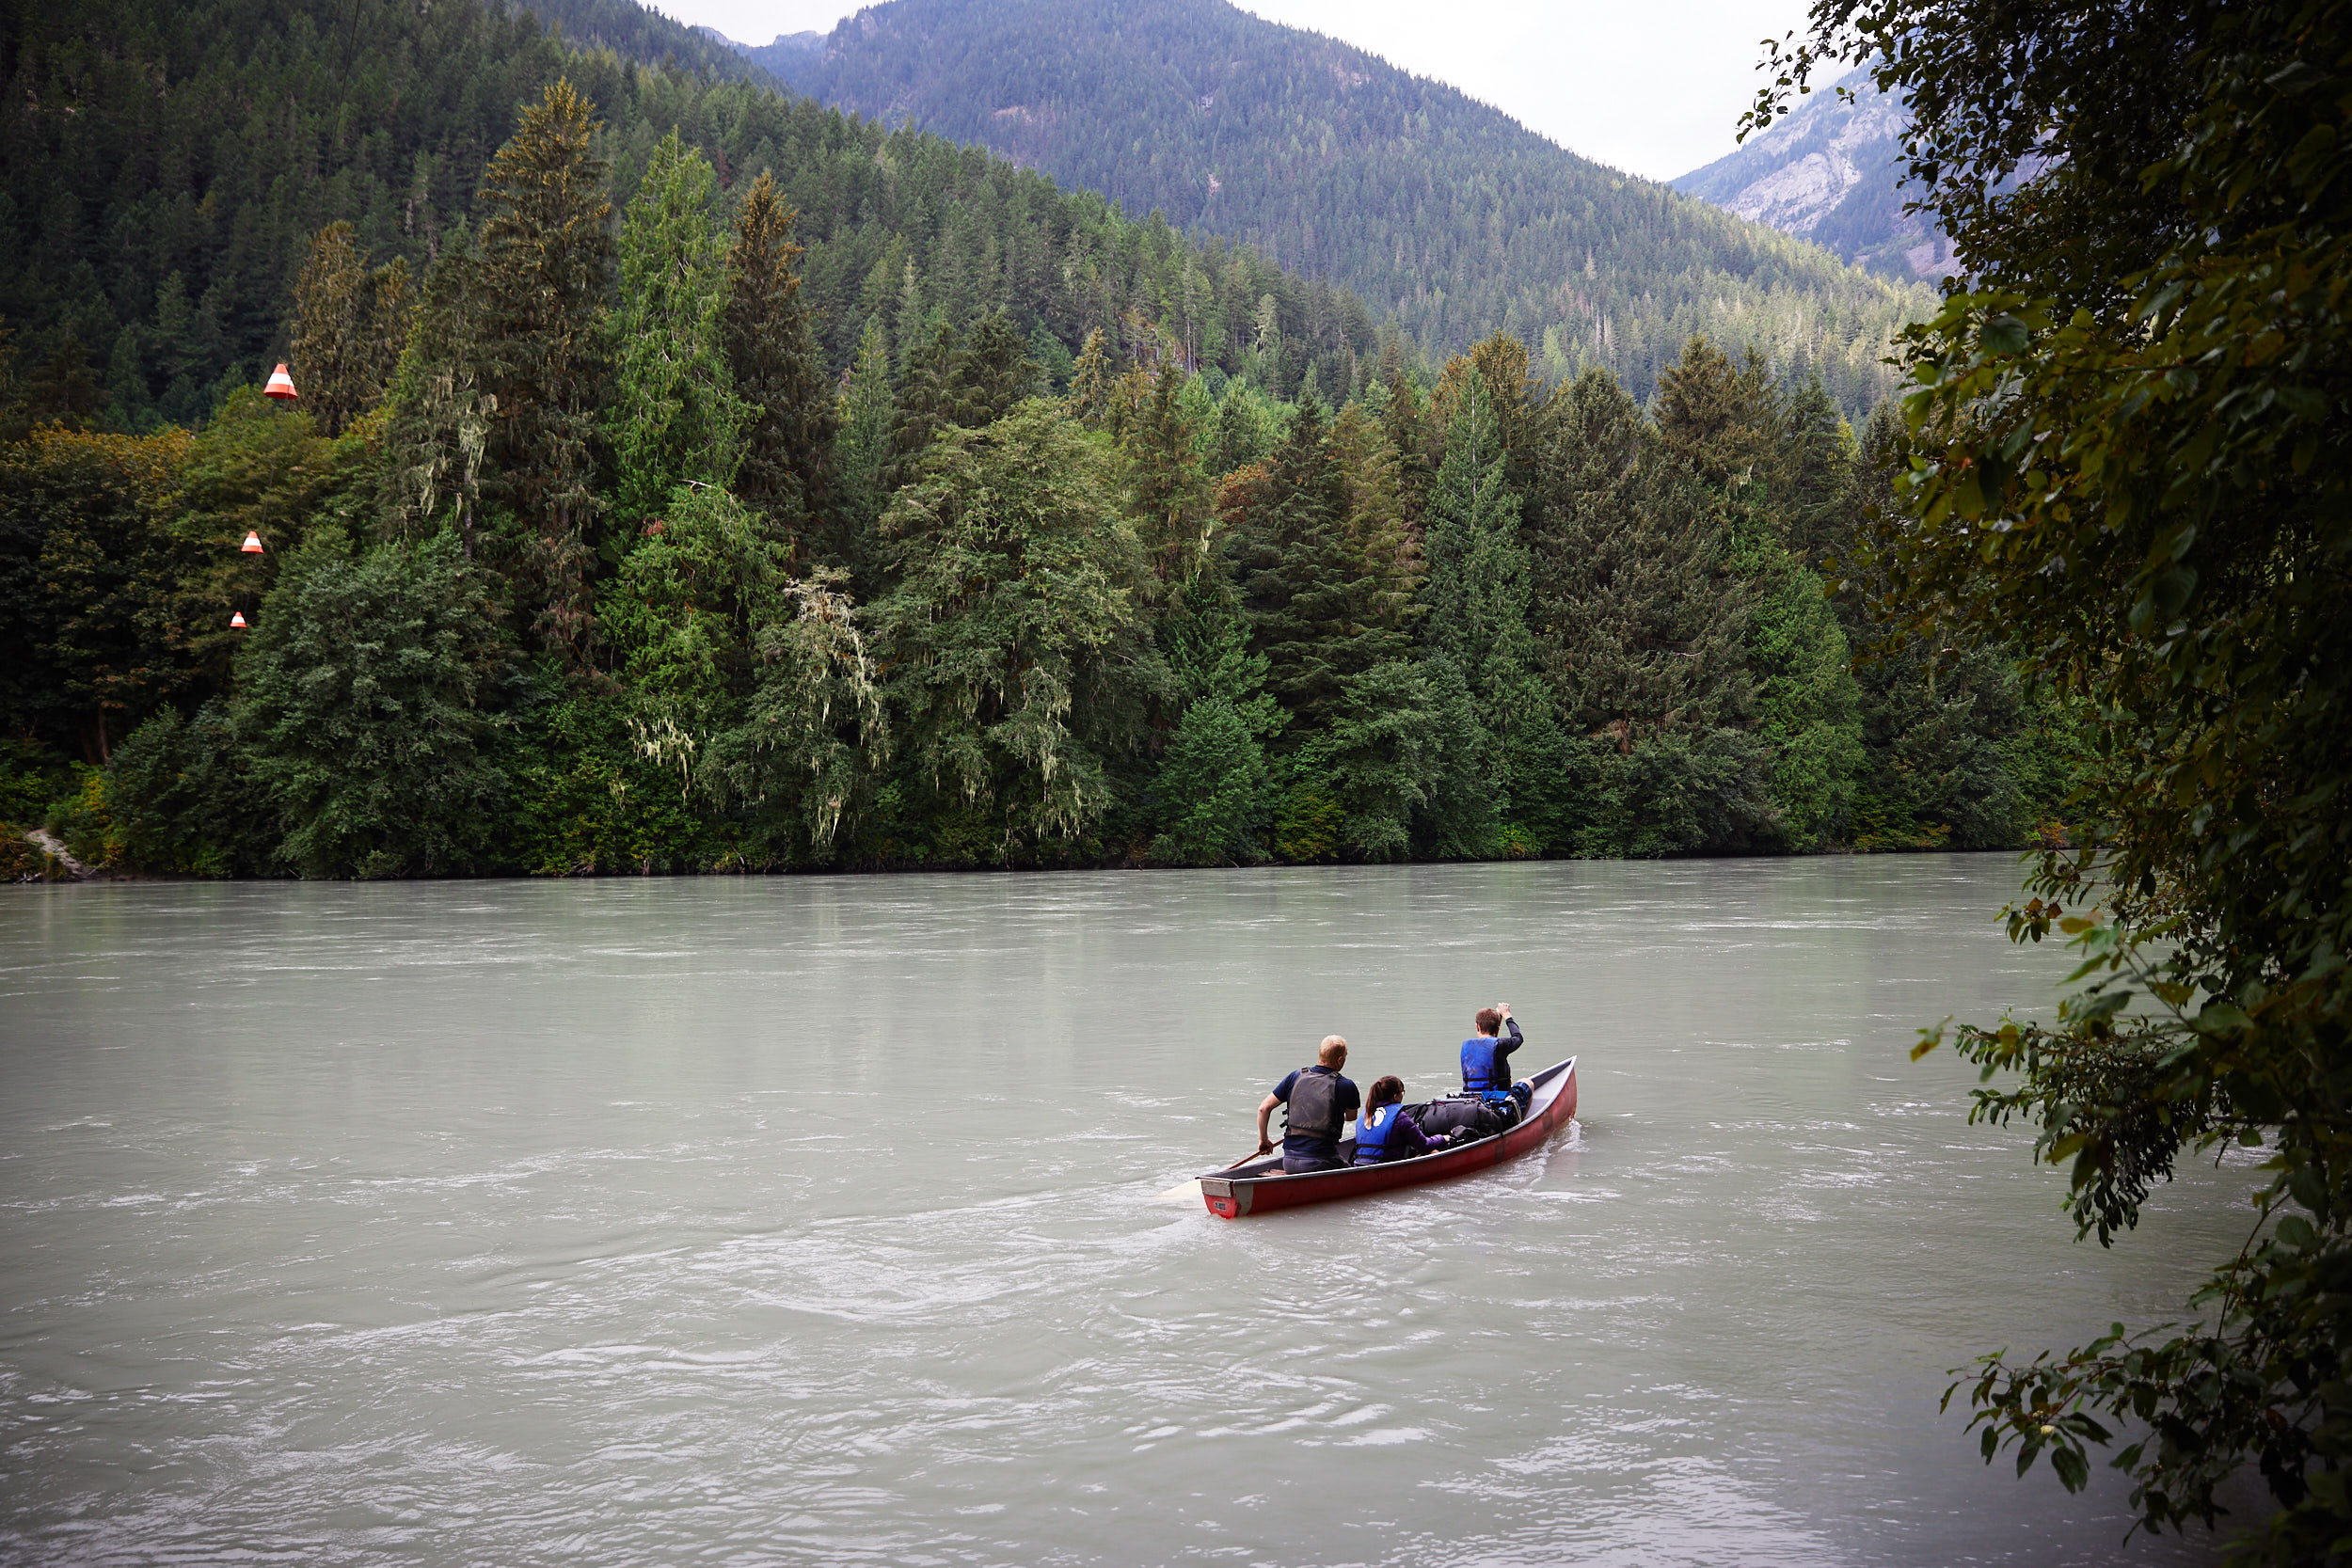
[(1346, 1101)]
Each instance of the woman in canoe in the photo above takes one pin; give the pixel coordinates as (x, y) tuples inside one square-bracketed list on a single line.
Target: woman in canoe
[(1385, 1132)]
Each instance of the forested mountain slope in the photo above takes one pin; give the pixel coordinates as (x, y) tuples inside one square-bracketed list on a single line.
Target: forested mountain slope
[(1828, 173), (162, 165), (1334, 162)]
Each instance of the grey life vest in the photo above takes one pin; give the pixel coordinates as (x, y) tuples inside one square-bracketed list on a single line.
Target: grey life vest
[(1315, 1105)]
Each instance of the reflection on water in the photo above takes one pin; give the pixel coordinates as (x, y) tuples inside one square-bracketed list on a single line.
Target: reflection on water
[(812, 1220)]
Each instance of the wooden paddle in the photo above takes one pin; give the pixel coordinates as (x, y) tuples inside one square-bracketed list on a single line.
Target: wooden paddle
[(1190, 1185)]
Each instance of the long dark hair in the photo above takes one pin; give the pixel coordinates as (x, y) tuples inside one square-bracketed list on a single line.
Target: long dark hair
[(1383, 1091)]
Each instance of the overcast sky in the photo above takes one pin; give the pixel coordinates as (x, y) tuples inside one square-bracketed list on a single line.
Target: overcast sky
[(1653, 87)]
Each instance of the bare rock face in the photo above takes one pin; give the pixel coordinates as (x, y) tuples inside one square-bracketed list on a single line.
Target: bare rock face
[(1829, 173)]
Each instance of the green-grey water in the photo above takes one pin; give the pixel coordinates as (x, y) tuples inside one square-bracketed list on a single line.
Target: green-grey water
[(814, 1221)]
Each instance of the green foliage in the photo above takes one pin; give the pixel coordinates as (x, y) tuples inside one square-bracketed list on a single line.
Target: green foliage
[(675, 419), (2126, 454), (779, 371), (1259, 585), (1019, 656), (98, 623), (362, 707)]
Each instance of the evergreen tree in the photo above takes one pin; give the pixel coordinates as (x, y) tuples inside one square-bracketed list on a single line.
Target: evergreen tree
[(1312, 603), (1014, 638), (1090, 380), (1720, 416), (349, 327), (1375, 511), (362, 707), (920, 409), (438, 411), (546, 264), (1639, 631), (862, 451), (1817, 453), (1166, 492), (1477, 592), (993, 374), (779, 370), (674, 417), (1406, 423)]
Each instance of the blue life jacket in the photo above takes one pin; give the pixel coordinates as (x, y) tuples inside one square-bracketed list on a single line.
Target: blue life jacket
[(1371, 1134), (1480, 1072)]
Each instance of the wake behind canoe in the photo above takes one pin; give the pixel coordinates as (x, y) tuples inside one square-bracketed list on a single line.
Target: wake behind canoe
[(1261, 1187)]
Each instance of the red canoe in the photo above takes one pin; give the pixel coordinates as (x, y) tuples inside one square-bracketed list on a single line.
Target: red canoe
[(1261, 1187)]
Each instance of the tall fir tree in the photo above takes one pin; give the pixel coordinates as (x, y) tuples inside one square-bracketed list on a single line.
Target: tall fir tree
[(1478, 590), (440, 410), (861, 454), (992, 375), (1641, 635), (349, 327), (547, 262), (779, 370), (920, 404), (1166, 491), (675, 418), (1311, 601), (1720, 414)]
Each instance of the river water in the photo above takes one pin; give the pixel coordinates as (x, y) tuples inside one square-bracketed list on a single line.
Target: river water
[(814, 1221)]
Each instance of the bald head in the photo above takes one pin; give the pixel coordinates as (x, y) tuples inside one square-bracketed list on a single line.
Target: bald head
[(1333, 1051)]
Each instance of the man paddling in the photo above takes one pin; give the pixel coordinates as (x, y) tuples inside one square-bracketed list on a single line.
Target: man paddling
[(1487, 1060), (1320, 1103)]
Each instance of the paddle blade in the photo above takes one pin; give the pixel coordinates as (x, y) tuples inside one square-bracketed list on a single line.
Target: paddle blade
[(1186, 1191)]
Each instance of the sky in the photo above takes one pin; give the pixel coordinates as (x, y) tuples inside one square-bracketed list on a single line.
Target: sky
[(1650, 86)]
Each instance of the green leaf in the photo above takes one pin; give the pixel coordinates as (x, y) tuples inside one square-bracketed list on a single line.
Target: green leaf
[(2003, 335)]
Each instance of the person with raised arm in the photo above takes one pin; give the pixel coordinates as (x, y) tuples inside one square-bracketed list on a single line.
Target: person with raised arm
[(1486, 1061)]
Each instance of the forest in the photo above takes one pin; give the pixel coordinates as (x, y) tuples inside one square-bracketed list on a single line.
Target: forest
[(1436, 208), (702, 480)]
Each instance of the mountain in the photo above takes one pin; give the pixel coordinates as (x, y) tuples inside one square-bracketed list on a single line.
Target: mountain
[(787, 58), (1828, 173), (1429, 203), (163, 165)]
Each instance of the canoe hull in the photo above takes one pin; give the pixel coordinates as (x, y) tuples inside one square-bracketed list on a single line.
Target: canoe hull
[(1261, 1188)]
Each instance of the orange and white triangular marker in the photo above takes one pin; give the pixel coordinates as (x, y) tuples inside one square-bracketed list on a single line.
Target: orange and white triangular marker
[(280, 385), (236, 621), (252, 545)]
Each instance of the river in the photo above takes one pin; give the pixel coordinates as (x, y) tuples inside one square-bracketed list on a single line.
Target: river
[(813, 1220)]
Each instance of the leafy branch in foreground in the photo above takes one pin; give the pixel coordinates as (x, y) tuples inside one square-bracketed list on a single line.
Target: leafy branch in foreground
[(2128, 457)]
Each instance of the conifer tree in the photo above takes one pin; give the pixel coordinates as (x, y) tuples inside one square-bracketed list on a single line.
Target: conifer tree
[(1375, 511), (1815, 457), (1090, 381), (1477, 591), (1718, 415), (779, 370), (1310, 600), (1408, 426), (440, 410), (920, 407), (1166, 492), (546, 263), (675, 419), (990, 377), (349, 327), (1513, 393), (862, 448), (1641, 632)]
